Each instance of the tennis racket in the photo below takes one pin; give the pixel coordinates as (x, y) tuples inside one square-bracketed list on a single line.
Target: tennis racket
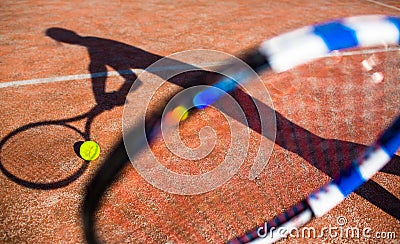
[(280, 54), (283, 53), (45, 154)]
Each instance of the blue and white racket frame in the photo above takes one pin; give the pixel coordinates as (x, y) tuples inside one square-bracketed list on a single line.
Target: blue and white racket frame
[(279, 54), (294, 48)]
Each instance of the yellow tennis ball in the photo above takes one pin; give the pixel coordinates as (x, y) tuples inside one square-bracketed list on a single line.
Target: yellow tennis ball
[(180, 113), (89, 150)]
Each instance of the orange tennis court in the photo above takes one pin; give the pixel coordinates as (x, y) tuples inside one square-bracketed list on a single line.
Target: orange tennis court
[(70, 69)]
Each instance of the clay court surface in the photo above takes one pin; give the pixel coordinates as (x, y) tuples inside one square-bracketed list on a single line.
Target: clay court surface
[(47, 86)]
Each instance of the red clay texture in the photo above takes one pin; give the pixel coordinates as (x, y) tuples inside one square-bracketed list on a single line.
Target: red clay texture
[(326, 113)]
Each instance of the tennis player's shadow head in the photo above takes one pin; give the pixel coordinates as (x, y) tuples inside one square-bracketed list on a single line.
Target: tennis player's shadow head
[(64, 35)]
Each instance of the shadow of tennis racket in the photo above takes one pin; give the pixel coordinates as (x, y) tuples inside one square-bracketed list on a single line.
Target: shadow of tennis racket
[(43, 155)]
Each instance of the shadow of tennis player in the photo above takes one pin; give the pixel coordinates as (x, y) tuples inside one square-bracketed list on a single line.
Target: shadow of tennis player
[(324, 154), (329, 156), (102, 53)]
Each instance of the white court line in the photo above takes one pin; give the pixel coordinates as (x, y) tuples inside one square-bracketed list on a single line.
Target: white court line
[(102, 74), (384, 4), (166, 68), (59, 78)]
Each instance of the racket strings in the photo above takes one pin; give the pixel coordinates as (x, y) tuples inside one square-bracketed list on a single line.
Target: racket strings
[(197, 222), (334, 156), (319, 148)]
